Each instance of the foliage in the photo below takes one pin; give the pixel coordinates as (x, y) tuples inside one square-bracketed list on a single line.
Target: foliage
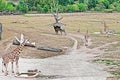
[(100, 7), (39, 8), (92, 3), (22, 6), (82, 7), (117, 73), (118, 7), (46, 8), (106, 4), (81, 1), (63, 5), (8, 6)]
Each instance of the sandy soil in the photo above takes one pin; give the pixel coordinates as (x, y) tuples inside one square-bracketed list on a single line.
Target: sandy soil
[(74, 65)]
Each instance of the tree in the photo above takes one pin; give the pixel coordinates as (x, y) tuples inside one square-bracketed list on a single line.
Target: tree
[(106, 4), (111, 1), (81, 1), (75, 7), (10, 6), (39, 8), (46, 8), (118, 7), (70, 8), (82, 7), (2, 5), (65, 2), (92, 3), (100, 7), (30, 4), (22, 6)]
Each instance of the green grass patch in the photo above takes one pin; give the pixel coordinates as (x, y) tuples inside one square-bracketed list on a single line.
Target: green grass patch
[(108, 62), (116, 73), (118, 33)]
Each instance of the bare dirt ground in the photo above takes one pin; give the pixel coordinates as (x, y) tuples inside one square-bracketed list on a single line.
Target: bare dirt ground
[(73, 64)]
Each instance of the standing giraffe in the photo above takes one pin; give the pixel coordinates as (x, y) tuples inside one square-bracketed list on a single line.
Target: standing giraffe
[(105, 26), (86, 36), (12, 57)]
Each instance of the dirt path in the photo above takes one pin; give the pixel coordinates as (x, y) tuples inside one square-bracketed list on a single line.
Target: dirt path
[(72, 66)]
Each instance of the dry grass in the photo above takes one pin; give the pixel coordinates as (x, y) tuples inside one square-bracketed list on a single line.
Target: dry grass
[(36, 27)]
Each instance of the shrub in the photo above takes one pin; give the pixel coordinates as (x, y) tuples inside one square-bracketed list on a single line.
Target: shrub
[(108, 10), (22, 6), (70, 8), (61, 8), (10, 6), (118, 7), (82, 7), (46, 8), (39, 8), (75, 7), (106, 4), (2, 5)]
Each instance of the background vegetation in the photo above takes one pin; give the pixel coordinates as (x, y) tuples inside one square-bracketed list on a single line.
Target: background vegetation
[(45, 6)]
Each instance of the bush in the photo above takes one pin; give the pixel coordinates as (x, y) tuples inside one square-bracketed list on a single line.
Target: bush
[(82, 7), (108, 10), (46, 8), (75, 7), (10, 6), (118, 7), (70, 8), (106, 4), (100, 7), (61, 8), (2, 5), (39, 8), (22, 6)]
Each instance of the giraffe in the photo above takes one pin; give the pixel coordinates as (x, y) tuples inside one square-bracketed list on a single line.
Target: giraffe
[(86, 36), (105, 26), (12, 57)]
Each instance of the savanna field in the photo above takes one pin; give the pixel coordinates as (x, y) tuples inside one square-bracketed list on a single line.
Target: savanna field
[(36, 27)]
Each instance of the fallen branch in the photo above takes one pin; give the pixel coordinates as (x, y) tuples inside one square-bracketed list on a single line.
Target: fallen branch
[(16, 42), (49, 49)]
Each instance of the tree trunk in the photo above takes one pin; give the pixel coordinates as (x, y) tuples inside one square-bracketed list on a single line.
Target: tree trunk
[(49, 49)]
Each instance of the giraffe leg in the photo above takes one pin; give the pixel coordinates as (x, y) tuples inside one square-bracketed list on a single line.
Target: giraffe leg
[(12, 67), (17, 72), (2, 66), (6, 72)]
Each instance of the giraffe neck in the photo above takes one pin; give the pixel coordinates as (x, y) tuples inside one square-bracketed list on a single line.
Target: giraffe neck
[(18, 50)]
